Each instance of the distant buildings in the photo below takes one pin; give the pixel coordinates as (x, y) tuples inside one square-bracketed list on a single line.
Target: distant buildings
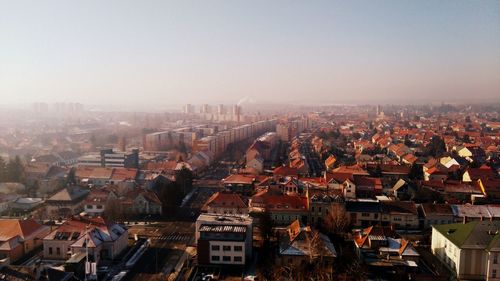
[(109, 158), (224, 239)]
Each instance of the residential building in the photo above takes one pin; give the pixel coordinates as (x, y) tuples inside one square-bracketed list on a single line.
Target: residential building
[(223, 203), (224, 240), (106, 240), (69, 201), (471, 250), (301, 245), (19, 237)]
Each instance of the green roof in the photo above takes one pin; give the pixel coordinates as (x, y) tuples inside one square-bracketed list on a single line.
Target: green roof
[(457, 233), (495, 242)]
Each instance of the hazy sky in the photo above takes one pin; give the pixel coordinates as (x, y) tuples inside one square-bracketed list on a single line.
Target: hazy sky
[(171, 52)]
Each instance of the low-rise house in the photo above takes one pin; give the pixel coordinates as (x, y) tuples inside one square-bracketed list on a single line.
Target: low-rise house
[(25, 204), (223, 203), (300, 245), (67, 202), (282, 208), (243, 184), (321, 203), (224, 240), (400, 214), (106, 240), (96, 201), (471, 250), (434, 214), (145, 202), (20, 237), (381, 250), (364, 213)]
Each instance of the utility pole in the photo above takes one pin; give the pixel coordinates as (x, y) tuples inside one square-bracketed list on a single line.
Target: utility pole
[(87, 265)]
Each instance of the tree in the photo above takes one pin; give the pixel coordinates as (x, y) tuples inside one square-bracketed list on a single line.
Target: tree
[(416, 172), (436, 146), (336, 220), (3, 170), (71, 178), (15, 170), (184, 179)]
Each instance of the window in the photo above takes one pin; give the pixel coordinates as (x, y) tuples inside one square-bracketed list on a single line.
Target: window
[(58, 250), (215, 248), (365, 214), (50, 250), (397, 219), (89, 206), (238, 259), (494, 273), (226, 248), (226, 258), (99, 206), (495, 259), (238, 248), (215, 258), (375, 216)]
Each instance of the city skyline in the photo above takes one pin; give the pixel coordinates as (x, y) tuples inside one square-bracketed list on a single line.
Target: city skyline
[(170, 53)]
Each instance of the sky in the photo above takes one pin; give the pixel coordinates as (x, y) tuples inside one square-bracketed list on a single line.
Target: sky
[(300, 52)]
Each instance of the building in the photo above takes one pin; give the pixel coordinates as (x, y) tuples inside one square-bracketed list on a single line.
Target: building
[(470, 250), (66, 202), (106, 240), (110, 158), (225, 203), (300, 245), (20, 237), (282, 208), (434, 214), (224, 240)]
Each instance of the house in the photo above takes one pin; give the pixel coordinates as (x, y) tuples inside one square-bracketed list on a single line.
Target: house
[(243, 184), (330, 162), (20, 237), (471, 250), (301, 245), (95, 203), (473, 174), (400, 214), (106, 240), (223, 239), (401, 188), (223, 203), (364, 213), (282, 208), (67, 202), (145, 202), (321, 203), (383, 252), (434, 214), (367, 187)]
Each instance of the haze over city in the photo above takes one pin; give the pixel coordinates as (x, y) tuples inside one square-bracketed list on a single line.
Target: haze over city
[(163, 53), (231, 140)]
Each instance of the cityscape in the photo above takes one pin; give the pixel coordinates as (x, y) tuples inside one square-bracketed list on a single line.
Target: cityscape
[(250, 140)]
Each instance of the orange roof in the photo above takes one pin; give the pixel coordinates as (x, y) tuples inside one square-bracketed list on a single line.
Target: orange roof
[(10, 228), (124, 174), (225, 200)]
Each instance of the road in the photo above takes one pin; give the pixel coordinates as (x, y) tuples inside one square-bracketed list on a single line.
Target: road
[(168, 242)]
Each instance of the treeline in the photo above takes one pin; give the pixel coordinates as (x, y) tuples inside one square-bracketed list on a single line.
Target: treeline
[(12, 171)]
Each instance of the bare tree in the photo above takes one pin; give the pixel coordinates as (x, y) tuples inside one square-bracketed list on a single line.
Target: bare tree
[(336, 220)]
